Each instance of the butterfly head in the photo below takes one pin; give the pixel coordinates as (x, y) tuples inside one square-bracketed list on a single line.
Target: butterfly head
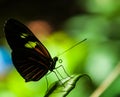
[(52, 66)]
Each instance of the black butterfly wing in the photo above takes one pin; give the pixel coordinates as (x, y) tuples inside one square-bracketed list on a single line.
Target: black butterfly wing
[(30, 64), (19, 36), (29, 55)]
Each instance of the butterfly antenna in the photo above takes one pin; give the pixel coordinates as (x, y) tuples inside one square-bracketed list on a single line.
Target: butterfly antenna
[(72, 46)]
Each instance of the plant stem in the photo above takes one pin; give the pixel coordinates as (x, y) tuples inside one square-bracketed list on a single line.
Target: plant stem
[(107, 82)]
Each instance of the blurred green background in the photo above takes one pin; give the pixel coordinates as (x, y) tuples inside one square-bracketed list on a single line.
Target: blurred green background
[(59, 24)]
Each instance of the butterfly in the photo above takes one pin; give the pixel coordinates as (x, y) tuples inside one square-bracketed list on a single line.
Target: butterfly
[(30, 57)]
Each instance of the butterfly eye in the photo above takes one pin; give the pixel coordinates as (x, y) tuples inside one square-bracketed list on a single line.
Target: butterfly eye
[(55, 59)]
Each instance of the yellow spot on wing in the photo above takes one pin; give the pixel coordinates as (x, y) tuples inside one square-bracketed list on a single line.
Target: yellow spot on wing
[(23, 35), (31, 44)]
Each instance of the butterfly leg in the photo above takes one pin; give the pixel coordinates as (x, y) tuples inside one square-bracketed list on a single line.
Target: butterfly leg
[(59, 73), (63, 69), (55, 74), (58, 78), (46, 81)]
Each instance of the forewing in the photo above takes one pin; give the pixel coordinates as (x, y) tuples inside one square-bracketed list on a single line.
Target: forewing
[(19, 36)]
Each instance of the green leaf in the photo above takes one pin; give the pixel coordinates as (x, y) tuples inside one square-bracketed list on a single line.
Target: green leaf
[(63, 87)]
